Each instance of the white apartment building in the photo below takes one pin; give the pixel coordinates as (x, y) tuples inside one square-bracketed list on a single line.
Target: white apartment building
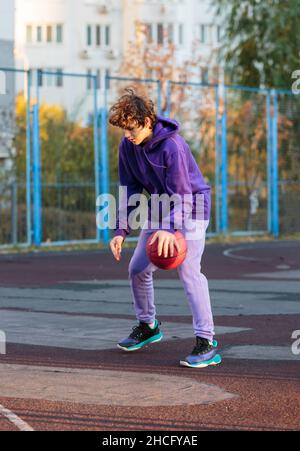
[(7, 12), (92, 37), (7, 79)]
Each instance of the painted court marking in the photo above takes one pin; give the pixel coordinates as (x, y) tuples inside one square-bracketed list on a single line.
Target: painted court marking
[(82, 332), (229, 253), (13, 418), (106, 387), (261, 352), (291, 274)]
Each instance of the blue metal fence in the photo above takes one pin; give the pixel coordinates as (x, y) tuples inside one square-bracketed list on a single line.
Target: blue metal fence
[(286, 149), (15, 192), (57, 198), (227, 127)]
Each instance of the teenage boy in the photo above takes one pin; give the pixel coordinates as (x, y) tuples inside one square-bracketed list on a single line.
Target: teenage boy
[(155, 157)]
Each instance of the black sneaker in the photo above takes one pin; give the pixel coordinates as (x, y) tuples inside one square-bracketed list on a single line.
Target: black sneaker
[(205, 353), (140, 336)]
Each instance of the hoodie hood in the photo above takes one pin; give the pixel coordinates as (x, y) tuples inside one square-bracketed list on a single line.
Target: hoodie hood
[(164, 128)]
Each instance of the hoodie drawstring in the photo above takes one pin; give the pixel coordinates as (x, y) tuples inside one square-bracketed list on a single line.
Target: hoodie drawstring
[(157, 165), (153, 164)]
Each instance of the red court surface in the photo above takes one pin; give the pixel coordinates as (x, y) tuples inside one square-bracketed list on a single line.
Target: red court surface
[(265, 390)]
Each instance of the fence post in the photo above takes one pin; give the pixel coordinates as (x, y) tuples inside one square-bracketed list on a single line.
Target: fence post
[(168, 99), (14, 212), (104, 163), (37, 223), (274, 165), (96, 151), (217, 162), (269, 160), (224, 178), (105, 185), (28, 161), (159, 97)]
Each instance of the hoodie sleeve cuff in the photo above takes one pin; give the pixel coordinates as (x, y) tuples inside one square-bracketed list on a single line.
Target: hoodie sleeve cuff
[(121, 232), (170, 229)]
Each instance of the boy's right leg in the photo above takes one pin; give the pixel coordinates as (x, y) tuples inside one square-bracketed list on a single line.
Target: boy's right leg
[(141, 283)]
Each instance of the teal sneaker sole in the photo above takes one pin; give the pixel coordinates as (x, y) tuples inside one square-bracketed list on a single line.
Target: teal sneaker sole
[(215, 361), (153, 339)]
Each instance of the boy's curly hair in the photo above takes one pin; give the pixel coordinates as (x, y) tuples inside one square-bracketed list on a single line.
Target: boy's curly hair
[(131, 108)]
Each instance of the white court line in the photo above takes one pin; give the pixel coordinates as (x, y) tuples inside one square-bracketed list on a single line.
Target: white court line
[(228, 253), (13, 418)]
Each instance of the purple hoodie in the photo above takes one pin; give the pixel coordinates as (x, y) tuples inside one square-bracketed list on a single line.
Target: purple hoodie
[(164, 164)]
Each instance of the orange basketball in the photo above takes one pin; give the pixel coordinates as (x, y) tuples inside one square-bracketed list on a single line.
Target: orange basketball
[(167, 262)]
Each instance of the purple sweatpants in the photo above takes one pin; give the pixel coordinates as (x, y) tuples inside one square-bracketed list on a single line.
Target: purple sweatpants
[(194, 282)]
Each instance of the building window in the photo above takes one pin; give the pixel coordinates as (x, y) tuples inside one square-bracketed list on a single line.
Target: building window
[(204, 33), (52, 33), (149, 73), (59, 78), (40, 77), (160, 33), (107, 74), (98, 74), (52, 77), (219, 33), (29, 34), (59, 33), (170, 33), (31, 79), (204, 75), (48, 78), (89, 35), (89, 80), (148, 32), (39, 34), (98, 35), (180, 34), (107, 35), (49, 33)]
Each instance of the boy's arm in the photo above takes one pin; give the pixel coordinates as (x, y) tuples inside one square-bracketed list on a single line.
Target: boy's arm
[(178, 183), (133, 186)]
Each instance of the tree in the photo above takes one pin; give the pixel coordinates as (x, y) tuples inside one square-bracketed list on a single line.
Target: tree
[(260, 48), (261, 41), (148, 59), (67, 172)]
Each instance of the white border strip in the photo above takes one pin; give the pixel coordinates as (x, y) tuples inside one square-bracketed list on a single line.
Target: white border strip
[(13, 418)]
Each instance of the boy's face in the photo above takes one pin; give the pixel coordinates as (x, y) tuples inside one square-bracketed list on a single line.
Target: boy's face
[(138, 134)]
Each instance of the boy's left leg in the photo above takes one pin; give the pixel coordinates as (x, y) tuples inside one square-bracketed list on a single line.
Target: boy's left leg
[(196, 288)]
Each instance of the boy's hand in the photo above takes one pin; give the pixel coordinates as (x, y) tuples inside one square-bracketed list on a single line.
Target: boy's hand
[(166, 241), (116, 246)]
